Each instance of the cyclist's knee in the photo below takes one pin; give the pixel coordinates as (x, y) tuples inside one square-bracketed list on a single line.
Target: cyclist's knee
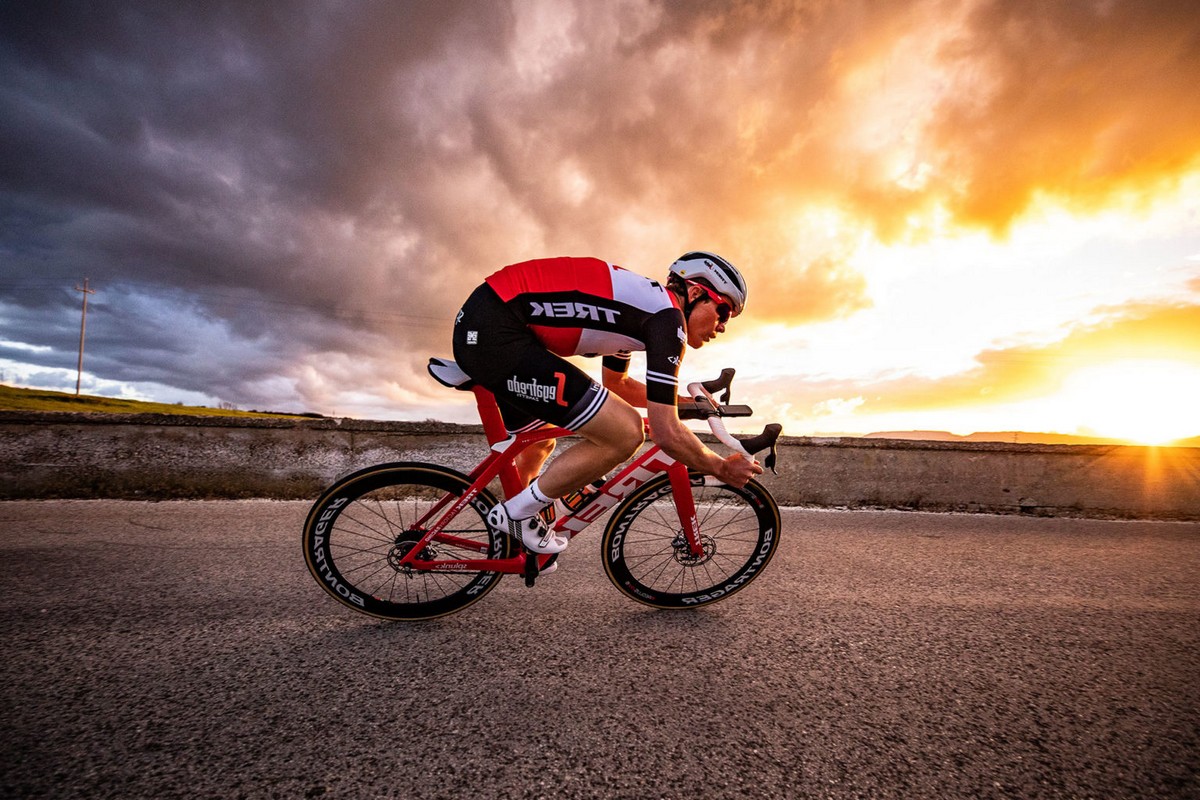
[(630, 434), (639, 433)]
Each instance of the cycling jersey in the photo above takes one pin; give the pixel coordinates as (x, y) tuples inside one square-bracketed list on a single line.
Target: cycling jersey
[(514, 330), (585, 306)]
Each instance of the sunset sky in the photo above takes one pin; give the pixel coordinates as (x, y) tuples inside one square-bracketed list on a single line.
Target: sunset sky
[(960, 216)]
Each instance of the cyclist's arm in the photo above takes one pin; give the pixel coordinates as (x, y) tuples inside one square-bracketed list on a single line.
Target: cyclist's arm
[(628, 388), (631, 390), (664, 353), (680, 443)]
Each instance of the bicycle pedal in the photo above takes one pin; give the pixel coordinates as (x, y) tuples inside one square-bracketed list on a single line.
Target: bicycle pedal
[(531, 569)]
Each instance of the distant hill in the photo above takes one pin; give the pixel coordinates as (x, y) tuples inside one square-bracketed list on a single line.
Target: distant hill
[(17, 399), (1013, 437)]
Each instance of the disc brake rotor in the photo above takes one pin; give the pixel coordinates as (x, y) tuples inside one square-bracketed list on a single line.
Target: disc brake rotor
[(683, 553), (405, 542)]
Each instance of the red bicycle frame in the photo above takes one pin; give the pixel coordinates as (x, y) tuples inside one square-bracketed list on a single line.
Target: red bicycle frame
[(500, 463)]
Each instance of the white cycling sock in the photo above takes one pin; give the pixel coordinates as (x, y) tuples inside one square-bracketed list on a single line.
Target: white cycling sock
[(528, 502)]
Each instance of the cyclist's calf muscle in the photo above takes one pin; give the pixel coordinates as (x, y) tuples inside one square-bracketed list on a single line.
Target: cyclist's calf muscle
[(530, 460)]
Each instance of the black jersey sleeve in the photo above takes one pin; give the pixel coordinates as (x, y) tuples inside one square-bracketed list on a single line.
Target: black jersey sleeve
[(617, 362), (665, 341)]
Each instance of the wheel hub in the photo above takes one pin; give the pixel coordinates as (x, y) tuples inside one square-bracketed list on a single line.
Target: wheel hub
[(404, 544), (683, 554)]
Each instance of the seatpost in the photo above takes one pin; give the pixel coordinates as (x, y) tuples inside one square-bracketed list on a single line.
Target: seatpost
[(493, 428), (489, 414)]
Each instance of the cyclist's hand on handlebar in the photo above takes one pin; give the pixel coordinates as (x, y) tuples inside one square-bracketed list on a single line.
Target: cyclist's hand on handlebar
[(737, 470)]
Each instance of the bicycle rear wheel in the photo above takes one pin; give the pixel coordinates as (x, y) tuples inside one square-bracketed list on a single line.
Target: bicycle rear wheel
[(360, 528), (648, 560)]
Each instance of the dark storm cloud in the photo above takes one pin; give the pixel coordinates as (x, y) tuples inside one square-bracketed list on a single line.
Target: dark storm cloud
[(240, 152)]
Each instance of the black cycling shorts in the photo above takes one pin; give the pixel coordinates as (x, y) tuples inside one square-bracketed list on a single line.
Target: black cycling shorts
[(532, 385)]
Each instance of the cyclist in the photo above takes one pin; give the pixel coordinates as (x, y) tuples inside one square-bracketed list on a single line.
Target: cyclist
[(511, 337)]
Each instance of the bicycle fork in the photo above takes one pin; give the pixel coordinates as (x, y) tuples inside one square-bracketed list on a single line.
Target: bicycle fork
[(685, 507)]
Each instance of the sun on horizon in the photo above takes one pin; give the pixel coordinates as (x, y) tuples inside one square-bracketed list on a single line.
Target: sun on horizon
[(1147, 401)]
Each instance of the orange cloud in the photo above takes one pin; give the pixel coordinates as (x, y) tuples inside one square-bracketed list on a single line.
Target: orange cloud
[(1134, 333), (1076, 100)]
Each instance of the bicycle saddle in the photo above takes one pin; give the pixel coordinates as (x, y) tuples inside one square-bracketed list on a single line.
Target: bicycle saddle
[(448, 373)]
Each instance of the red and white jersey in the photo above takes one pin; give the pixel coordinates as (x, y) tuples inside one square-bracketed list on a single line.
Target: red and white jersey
[(588, 307)]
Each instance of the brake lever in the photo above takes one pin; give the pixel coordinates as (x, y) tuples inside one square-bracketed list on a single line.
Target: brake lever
[(720, 384), (767, 439), (708, 408)]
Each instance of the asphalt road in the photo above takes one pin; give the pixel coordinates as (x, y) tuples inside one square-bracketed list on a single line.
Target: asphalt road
[(182, 650)]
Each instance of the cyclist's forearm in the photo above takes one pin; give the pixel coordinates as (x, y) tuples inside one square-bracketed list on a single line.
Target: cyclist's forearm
[(693, 454), (678, 441)]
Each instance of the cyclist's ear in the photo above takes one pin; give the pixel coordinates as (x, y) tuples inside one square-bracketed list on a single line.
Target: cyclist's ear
[(691, 297)]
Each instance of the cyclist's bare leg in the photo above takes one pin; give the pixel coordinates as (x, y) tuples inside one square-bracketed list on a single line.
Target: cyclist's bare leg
[(529, 461), (612, 436)]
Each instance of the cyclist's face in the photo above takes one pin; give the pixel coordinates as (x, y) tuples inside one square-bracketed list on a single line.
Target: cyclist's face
[(704, 323)]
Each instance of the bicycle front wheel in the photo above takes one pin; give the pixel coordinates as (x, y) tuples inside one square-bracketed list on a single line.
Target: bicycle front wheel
[(647, 557), (361, 527)]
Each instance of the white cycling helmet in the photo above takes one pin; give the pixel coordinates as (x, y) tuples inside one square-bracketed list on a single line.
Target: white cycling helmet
[(718, 273)]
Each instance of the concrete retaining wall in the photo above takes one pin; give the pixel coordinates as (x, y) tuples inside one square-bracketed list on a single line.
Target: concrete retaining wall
[(45, 455)]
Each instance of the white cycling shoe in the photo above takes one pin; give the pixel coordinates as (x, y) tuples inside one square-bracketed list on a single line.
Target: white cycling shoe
[(533, 532)]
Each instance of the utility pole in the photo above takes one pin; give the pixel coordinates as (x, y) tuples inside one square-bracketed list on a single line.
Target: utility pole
[(82, 327)]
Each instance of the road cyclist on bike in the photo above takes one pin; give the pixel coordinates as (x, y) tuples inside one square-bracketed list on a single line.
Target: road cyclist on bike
[(512, 336)]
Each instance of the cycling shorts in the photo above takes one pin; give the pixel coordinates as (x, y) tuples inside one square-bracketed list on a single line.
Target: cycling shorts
[(532, 385)]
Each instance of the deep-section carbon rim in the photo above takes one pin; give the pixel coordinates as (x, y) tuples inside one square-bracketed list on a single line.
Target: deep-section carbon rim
[(361, 527), (647, 559)]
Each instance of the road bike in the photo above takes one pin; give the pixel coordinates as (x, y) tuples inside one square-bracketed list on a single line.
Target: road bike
[(410, 541)]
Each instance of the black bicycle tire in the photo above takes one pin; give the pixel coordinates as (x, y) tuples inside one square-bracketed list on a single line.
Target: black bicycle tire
[(704, 590), (327, 512)]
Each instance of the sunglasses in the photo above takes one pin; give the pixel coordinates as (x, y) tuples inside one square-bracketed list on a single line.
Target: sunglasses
[(724, 309)]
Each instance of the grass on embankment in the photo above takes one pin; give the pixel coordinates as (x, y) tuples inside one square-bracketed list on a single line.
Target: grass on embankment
[(15, 399)]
